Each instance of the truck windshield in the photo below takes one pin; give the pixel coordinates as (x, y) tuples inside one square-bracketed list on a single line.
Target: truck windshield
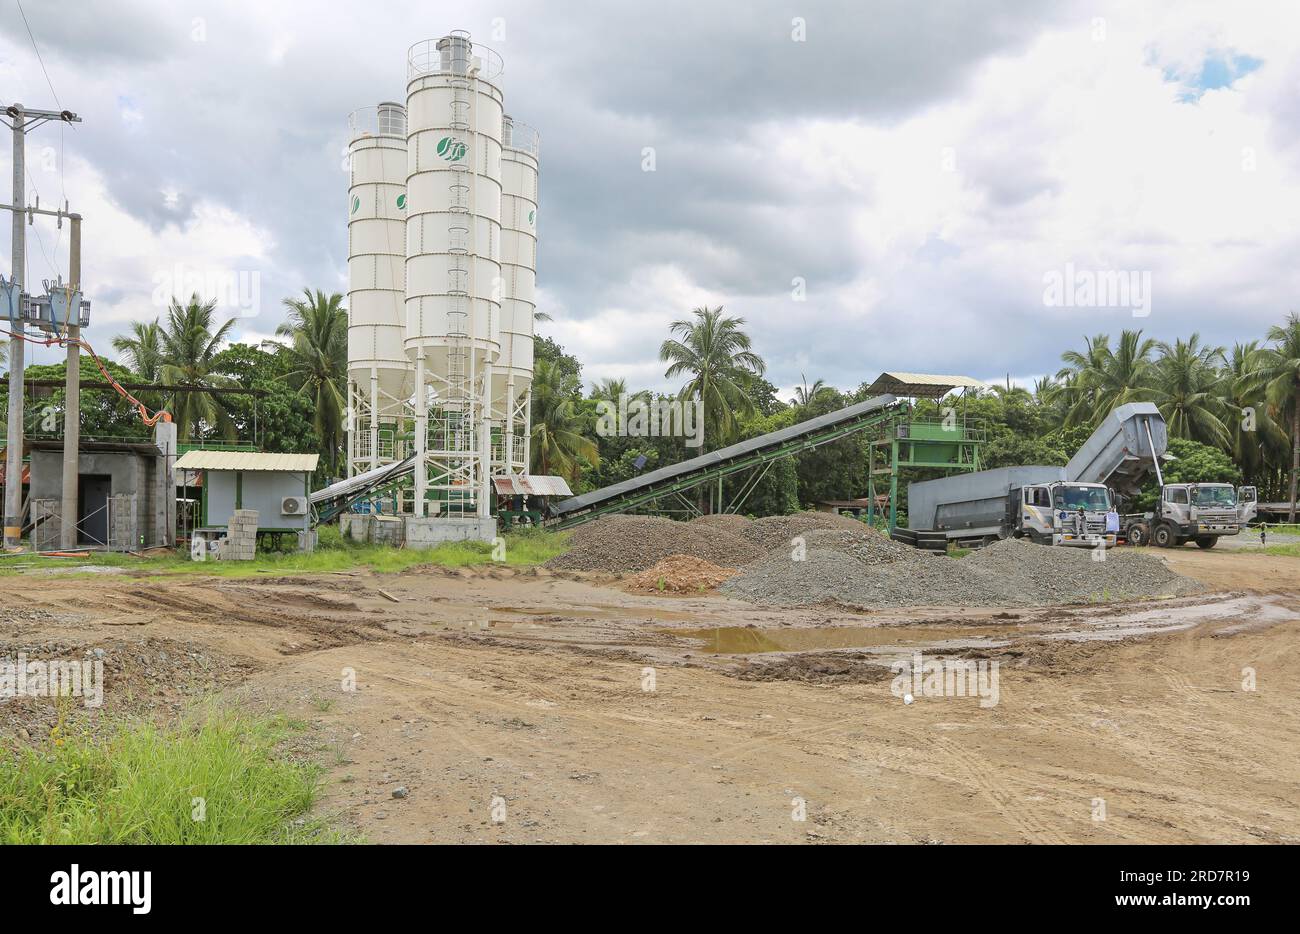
[(1214, 496), (1074, 498)]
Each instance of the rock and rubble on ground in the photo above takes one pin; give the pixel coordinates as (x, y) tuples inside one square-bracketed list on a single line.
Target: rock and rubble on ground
[(1008, 573), (679, 574), (634, 543)]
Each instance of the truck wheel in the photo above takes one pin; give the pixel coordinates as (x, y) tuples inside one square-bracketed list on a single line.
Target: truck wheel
[(1164, 537), (1207, 541), (1138, 535)]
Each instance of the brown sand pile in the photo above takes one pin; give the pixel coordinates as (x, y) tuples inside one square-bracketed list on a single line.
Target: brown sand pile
[(679, 574)]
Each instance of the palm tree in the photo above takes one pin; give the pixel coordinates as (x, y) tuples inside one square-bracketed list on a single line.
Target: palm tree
[(1255, 435), (557, 441), (805, 394), (1280, 368), (1187, 391), (717, 355), (317, 327), (188, 346), (1100, 379), (609, 389), (143, 349)]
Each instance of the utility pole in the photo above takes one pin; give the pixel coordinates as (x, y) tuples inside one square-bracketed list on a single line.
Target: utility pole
[(21, 121), (14, 439), (72, 393)]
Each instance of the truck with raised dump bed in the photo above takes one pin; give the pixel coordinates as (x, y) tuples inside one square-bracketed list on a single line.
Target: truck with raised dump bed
[(1192, 512), (1071, 505)]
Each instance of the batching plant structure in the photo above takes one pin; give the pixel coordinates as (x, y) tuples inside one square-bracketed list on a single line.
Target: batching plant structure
[(465, 203)]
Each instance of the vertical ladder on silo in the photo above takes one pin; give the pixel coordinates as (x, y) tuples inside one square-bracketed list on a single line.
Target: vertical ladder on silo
[(457, 435)]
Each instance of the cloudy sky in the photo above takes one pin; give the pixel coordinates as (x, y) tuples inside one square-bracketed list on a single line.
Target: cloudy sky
[(871, 185)]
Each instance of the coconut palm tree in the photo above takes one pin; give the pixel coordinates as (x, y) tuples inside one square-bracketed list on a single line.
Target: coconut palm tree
[(805, 394), (1256, 437), (558, 444), (1099, 379), (1188, 391), (188, 345), (1280, 369), (716, 354), (143, 349), (609, 389), (317, 328)]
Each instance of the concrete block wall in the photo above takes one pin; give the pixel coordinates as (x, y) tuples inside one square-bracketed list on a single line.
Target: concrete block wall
[(388, 530), (124, 522), (432, 532), (355, 526), (241, 536)]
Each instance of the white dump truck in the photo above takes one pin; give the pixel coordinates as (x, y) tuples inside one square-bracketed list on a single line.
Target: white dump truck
[(1070, 505), (1037, 503), (1196, 512)]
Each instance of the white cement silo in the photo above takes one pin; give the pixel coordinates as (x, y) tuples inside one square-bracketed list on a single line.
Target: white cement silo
[(512, 377), (453, 264), (379, 370)]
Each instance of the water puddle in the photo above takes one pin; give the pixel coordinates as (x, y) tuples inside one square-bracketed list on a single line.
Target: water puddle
[(743, 640)]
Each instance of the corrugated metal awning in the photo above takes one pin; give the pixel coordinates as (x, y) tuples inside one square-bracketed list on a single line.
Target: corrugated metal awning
[(922, 385), (535, 485), (246, 460)]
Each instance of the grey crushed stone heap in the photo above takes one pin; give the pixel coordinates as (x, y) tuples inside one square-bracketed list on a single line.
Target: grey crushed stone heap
[(1007, 573)]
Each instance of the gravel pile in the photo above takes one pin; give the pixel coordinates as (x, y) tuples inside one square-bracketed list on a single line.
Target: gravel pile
[(634, 543), (1071, 575), (772, 532), (679, 574), (1009, 573)]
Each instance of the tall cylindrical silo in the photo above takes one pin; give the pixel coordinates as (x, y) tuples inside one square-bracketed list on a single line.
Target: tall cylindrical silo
[(379, 370), (512, 377), (453, 264)]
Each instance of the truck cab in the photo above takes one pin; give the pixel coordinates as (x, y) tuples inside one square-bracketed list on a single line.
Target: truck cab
[(1199, 512), (1063, 513)]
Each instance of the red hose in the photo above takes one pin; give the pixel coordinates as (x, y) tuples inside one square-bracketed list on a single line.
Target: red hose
[(143, 410)]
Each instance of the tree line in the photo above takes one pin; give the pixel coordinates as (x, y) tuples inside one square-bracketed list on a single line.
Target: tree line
[(1232, 413)]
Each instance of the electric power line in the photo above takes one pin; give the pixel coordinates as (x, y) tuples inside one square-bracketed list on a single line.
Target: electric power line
[(37, 48)]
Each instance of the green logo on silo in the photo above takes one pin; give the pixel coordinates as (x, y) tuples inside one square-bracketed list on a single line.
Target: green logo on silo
[(453, 150), (356, 203), (401, 202), (532, 218)]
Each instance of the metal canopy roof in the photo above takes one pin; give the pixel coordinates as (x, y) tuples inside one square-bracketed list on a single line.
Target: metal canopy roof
[(535, 485), (246, 460), (922, 385)]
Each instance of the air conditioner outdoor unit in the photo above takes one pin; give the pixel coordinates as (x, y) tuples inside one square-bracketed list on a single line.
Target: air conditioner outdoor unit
[(293, 506)]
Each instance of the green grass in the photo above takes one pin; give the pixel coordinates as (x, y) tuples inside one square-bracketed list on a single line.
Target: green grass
[(139, 785), (1286, 551), (1275, 528), (334, 553)]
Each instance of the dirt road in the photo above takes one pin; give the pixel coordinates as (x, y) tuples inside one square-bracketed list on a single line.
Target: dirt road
[(524, 706)]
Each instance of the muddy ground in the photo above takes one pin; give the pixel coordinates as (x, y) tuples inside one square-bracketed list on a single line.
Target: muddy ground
[(529, 706)]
